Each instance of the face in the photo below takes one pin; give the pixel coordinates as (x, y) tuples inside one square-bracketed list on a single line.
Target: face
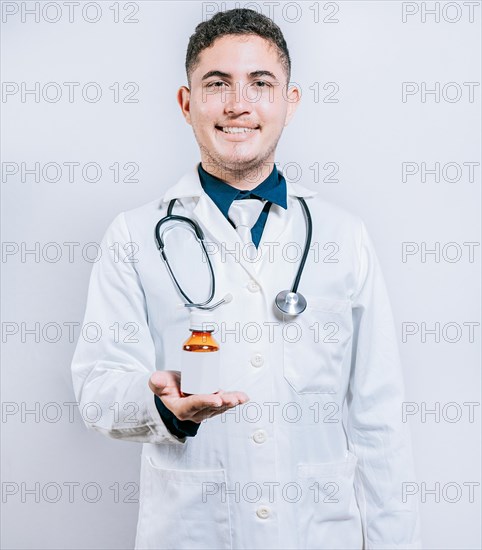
[(238, 105)]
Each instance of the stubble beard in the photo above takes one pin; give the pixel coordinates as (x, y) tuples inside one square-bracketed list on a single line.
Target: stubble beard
[(238, 170)]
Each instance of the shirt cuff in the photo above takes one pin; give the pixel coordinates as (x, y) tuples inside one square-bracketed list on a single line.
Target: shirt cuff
[(179, 428)]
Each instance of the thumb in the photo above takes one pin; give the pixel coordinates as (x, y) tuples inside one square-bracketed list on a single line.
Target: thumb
[(158, 381)]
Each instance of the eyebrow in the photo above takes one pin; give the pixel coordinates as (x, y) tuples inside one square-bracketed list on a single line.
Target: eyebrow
[(253, 74)]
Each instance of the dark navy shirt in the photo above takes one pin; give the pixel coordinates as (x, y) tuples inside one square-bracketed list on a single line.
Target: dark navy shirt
[(273, 190)]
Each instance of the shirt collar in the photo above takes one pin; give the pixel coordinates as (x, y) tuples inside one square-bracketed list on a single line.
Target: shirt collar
[(272, 189)]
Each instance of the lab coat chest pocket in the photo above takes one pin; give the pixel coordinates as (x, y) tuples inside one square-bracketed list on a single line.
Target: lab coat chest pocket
[(184, 509), (328, 514), (315, 344)]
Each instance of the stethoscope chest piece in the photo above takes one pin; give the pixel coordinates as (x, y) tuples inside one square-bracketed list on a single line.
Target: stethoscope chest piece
[(290, 303)]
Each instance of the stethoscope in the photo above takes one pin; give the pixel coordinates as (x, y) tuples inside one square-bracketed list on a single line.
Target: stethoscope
[(290, 302)]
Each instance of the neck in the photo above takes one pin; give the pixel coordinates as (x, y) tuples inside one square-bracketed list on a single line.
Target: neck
[(240, 178)]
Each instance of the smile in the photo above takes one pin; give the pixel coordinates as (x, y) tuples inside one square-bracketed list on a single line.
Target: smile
[(237, 133), (235, 129)]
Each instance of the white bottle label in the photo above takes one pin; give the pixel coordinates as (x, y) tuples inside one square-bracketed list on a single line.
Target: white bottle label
[(200, 371)]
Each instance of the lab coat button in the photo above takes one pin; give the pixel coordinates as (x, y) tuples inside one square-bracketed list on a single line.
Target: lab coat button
[(259, 436), (253, 286), (257, 360), (263, 512)]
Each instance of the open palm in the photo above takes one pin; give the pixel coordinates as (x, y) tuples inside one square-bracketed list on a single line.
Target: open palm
[(167, 386)]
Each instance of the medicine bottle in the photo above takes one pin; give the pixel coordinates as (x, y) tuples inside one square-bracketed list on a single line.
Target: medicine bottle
[(200, 364)]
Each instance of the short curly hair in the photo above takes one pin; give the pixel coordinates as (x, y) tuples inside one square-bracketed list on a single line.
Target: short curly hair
[(235, 21)]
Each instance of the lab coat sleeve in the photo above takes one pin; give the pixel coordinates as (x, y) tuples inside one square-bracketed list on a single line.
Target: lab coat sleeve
[(115, 356), (375, 431)]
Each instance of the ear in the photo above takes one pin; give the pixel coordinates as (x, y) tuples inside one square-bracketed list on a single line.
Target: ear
[(184, 100), (293, 98)]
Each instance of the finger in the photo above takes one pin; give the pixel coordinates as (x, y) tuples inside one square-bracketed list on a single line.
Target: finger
[(200, 416), (209, 413), (240, 396), (197, 407), (234, 398), (220, 411), (229, 400), (190, 406), (243, 398)]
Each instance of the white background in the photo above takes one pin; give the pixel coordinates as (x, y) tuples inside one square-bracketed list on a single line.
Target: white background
[(368, 50)]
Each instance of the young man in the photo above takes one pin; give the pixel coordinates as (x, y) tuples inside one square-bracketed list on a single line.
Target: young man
[(278, 463)]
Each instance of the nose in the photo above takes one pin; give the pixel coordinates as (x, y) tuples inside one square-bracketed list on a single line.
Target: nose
[(236, 101)]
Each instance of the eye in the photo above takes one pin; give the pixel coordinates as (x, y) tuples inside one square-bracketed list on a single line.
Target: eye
[(216, 84), (262, 83)]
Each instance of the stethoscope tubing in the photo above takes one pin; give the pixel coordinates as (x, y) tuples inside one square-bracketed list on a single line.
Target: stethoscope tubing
[(198, 232)]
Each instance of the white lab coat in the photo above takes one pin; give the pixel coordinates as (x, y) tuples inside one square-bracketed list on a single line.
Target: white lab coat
[(318, 456)]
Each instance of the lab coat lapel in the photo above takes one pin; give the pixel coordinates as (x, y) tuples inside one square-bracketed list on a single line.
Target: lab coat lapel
[(280, 219), (279, 224), (216, 227), (221, 233)]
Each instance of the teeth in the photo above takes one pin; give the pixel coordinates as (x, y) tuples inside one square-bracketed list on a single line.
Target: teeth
[(233, 130)]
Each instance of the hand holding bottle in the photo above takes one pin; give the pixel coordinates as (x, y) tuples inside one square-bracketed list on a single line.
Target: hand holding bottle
[(167, 386)]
